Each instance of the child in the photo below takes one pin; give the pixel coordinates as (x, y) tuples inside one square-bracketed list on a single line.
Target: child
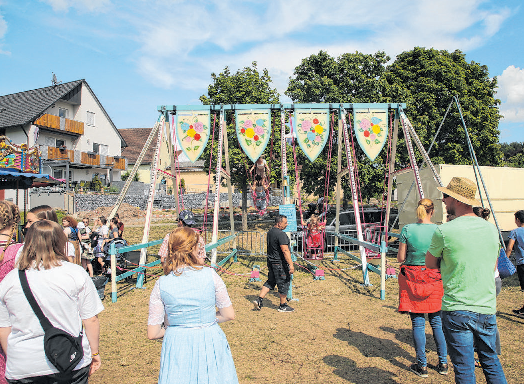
[(87, 251), (259, 194), (517, 236), (314, 236)]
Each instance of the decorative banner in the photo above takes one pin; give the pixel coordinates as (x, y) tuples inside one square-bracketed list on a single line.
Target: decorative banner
[(371, 129), (192, 132), (312, 130), (253, 131)]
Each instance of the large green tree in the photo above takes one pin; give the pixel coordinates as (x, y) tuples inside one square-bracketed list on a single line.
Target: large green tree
[(427, 80), (246, 86), (513, 154), (349, 78)]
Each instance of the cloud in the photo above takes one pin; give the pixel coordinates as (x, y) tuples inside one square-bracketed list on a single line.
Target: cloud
[(206, 36), (511, 93), (81, 5), (3, 31)]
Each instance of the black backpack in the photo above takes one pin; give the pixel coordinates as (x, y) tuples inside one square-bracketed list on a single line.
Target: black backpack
[(94, 236), (62, 349)]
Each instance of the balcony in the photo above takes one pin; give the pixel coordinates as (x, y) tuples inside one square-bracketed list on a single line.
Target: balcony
[(61, 124), (83, 159)]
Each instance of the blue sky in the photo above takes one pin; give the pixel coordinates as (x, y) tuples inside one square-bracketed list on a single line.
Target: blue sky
[(137, 54)]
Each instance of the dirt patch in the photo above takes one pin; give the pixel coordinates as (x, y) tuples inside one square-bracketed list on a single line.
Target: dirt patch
[(340, 332)]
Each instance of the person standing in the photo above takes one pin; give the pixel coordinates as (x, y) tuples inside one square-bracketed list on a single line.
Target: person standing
[(516, 240), (279, 264), (66, 296), (466, 251), (183, 311), (420, 288)]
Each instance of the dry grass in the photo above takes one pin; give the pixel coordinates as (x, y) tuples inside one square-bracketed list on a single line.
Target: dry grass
[(340, 332)]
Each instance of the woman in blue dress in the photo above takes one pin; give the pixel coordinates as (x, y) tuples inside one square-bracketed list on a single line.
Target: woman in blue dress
[(182, 310)]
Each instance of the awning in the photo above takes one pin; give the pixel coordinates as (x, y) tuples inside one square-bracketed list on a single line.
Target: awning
[(20, 180)]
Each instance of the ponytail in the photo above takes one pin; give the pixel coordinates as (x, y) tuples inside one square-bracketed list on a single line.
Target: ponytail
[(425, 206)]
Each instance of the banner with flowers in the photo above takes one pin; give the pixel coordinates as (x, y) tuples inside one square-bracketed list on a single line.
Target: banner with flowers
[(192, 132), (371, 129), (253, 131), (312, 130)]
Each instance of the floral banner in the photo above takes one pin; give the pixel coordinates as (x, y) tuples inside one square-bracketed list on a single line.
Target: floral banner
[(253, 131), (371, 129), (312, 130), (192, 132)]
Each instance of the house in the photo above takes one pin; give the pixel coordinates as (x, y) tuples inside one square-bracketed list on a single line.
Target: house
[(193, 174), (76, 136)]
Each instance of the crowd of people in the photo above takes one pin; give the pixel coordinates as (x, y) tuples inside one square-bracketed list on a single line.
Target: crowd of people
[(448, 273)]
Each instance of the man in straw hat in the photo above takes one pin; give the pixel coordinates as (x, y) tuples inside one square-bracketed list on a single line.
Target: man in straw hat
[(466, 251)]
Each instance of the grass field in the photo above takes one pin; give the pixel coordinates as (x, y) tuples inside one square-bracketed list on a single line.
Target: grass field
[(340, 331)]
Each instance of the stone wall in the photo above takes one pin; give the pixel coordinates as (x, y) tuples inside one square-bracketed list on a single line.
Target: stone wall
[(86, 202)]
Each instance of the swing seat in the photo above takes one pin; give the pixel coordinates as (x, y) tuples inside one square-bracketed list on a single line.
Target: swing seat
[(314, 245), (373, 234)]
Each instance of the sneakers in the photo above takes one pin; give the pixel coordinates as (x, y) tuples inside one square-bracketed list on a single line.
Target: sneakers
[(519, 311), (442, 369), (257, 303), (421, 371), (285, 308)]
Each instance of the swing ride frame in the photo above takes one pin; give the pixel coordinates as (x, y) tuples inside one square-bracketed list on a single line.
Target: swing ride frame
[(342, 170)]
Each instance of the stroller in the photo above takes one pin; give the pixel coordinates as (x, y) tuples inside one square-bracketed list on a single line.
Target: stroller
[(102, 251)]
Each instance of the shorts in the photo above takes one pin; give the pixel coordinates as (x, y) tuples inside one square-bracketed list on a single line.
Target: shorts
[(278, 275), (87, 251)]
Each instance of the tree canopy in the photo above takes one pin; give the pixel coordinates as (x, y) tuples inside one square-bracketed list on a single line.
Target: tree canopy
[(425, 79), (246, 86)]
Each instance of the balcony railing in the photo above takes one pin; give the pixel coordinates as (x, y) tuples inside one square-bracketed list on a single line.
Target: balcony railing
[(60, 123), (86, 158)]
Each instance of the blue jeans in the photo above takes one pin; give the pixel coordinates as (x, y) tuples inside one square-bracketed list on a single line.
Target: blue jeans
[(418, 324), (463, 330)]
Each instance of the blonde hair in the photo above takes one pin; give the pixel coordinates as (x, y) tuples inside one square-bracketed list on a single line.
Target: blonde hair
[(425, 206), (45, 244), (182, 242), (9, 218)]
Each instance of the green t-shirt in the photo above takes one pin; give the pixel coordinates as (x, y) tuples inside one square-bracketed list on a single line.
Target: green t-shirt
[(417, 238), (468, 247)]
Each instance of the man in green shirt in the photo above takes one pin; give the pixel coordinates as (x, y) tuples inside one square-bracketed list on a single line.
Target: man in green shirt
[(466, 251)]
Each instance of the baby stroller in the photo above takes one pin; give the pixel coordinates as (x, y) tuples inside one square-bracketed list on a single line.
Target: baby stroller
[(102, 251)]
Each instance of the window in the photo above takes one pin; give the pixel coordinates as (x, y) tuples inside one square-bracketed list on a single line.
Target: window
[(90, 120), (60, 143), (101, 149), (63, 112), (58, 173)]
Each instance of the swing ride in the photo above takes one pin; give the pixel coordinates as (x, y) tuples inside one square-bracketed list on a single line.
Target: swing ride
[(312, 127)]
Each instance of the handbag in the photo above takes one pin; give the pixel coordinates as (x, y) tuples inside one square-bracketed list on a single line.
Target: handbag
[(504, 265), (62, 349)]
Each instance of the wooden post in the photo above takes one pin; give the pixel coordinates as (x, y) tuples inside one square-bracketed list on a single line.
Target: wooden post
[(229, 189), (149, 210), (391, 169), (214, 237), (339, 180)]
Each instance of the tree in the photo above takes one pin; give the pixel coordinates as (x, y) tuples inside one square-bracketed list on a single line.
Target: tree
[(349, 78), (126, 175), (513, 154), (427, 79), (246, 86)]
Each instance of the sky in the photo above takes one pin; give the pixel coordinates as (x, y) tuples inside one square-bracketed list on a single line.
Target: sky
[(139, 54)]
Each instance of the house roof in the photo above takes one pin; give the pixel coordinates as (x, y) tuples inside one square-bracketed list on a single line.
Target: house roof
[(135, 139), (18, 109), (24, 107)]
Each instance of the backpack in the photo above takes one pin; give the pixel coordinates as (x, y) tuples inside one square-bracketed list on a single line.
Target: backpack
[(93, 237), (74, 234)]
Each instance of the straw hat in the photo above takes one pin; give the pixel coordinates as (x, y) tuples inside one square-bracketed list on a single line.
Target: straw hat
[(463, 190)]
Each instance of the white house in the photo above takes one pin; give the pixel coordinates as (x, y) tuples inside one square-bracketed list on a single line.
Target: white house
[(74, 132)]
